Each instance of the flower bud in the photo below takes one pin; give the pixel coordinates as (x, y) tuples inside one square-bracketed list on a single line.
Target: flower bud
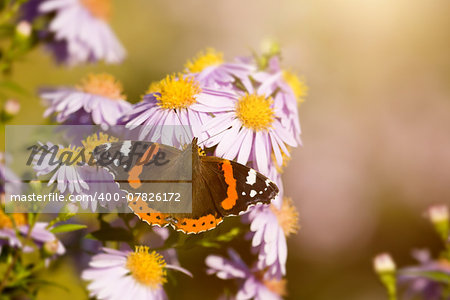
[(383, 263), (270, 47), (11, 107), (438, 213), (67, 212), (439, 216), (24, 29), (51, 247), (385, 268)]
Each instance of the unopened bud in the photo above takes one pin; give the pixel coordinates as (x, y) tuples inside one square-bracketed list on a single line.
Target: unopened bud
[(383, 263), (11, 107), (24, 29), (51, 247), (385, 268), (439, 216), (438, 213), (270, 47), (67, 212)]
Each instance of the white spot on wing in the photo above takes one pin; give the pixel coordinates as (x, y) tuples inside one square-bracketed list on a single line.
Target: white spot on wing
[(268, 182), (251, 178), (243, 194), (253, 193), (107, 146), (126, 148)]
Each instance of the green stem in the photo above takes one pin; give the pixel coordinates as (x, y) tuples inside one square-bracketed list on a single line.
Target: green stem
[(16, 257)]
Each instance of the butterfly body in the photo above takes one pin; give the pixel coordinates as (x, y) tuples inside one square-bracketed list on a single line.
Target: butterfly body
[(219, 187)]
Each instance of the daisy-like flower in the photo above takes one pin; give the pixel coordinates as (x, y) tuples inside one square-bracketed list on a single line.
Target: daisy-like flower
[(97, 100), (40, 235), (177, 101), (79, 31), (416, 280), (7, 177), (250, 128), (67, 176), (270, 226), (210, 69), (253, 283), (79, 177), (135, 275)]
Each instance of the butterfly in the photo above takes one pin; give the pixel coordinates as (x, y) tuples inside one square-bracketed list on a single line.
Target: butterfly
[(219, 187)]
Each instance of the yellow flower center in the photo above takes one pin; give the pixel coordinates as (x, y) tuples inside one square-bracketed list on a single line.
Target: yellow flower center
[(153, 88), (94, 140), (298, 86), (177, 91), (203, 60), (6, 222), (98, 8), (278, 287), (287, 216), (147, 267), (255, 112), (102, 84)]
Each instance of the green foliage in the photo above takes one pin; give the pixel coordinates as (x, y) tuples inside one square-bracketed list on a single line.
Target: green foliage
[(67, 228)]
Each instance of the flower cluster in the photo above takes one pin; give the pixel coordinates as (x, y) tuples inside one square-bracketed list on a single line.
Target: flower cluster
[(76, 31), (429, 279), (241, 110)]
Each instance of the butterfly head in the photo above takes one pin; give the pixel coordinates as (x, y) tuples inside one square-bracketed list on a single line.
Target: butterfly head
[(196, 150)]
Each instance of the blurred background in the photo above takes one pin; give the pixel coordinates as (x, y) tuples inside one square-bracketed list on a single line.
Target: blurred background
[(376, 123)]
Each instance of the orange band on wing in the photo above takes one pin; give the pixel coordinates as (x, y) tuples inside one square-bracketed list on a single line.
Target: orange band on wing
[(201, 224), (230, 201), (150, 216), (133, 175)]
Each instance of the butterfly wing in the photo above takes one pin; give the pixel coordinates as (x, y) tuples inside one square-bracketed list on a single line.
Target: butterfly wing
[(220, 187), (132, 177), (235, 187), (127, 160)]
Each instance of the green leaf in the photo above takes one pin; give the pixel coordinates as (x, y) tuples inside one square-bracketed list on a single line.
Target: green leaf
[(230, 235), (43, 282), (209, 244), (13, 87), (67, 228)]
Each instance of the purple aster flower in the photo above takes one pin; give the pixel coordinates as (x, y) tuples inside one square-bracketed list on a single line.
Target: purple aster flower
[(138, 275), (68, 177), (40, 235), (253, 284), (79, 177), (210, 70), (270, 225), (78, 30), (249, 128), (98, 100), (287, 90), (7, 176), (416, 280), (175, 100)]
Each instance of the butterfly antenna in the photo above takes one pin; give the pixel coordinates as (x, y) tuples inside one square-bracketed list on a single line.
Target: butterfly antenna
[(182, 125), (213, 136)]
